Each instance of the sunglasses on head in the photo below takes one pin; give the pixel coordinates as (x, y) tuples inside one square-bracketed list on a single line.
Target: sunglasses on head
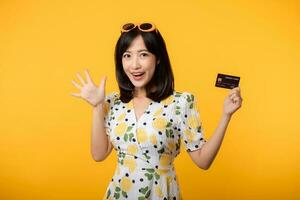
[(145, 27)]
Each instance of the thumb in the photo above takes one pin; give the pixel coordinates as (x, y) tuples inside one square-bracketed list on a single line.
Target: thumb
[(103, 83)]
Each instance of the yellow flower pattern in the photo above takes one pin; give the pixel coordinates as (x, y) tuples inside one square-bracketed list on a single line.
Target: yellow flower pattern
[(159, 123), (121, 129), (142, 135), (121, 117), (158, 191), (125, 184), (158, 112), (193, 121), (153, 139), (165, 160), (132, 149), (130, 163), (147, 147)]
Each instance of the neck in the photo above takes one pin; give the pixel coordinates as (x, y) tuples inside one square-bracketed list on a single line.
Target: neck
[(139, 93)]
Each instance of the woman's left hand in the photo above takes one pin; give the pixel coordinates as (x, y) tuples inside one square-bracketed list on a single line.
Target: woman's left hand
[(233, 101)]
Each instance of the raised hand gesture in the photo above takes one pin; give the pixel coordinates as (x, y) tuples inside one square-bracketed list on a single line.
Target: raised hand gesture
[(233, 101), (93, 94)]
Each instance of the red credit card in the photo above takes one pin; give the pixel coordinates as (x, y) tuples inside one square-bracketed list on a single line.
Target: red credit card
[(227, 81)]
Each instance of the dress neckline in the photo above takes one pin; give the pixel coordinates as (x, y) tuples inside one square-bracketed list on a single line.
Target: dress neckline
[(131, 106)]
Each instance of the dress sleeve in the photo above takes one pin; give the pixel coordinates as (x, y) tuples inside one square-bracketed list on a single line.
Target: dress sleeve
[(109, 102), (190, 123)]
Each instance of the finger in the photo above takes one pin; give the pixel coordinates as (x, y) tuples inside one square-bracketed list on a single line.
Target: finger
[(234, 93), (237, 90), (88, 76), (80, 78), (231, 92), (76, 85), (75, 94), (237, 100)]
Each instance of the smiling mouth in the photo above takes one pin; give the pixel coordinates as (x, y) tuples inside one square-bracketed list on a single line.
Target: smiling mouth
[(138, 76)]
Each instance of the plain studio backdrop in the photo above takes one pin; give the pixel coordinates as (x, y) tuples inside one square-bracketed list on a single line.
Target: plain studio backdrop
[(45, 132)]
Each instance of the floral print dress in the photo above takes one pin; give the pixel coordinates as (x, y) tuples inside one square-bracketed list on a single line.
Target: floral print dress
[(147, 147)]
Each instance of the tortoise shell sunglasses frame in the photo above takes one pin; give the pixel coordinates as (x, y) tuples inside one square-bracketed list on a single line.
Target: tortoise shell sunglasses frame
[(145, 27)]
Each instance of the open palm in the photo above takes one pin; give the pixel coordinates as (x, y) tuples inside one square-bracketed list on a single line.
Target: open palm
[(89, 91)]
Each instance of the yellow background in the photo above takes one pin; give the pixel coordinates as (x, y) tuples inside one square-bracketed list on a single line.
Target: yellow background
[(45, 132)]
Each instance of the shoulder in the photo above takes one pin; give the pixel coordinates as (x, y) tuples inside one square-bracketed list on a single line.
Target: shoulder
[(112, 98), (185, 101), (184, 97)]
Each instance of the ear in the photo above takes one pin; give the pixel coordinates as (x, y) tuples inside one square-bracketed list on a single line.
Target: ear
[(157, 62)]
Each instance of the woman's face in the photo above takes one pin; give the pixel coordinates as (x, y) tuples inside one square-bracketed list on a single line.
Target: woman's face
[(138, 63)]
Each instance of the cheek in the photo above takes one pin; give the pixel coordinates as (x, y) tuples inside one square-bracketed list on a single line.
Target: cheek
[(125, 67), (151, 68), (125, 63)]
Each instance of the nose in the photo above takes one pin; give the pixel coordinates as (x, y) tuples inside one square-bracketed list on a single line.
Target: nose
[(135, 63)]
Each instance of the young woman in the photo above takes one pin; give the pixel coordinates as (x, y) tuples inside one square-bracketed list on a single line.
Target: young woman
[(147, 119)]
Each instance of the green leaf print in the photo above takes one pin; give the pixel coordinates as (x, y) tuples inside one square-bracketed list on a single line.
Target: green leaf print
[(177, 112), (143, 190), (167, 133), (125, 137), (171, 133), (118, 189), (150, 170), (148, 194), (192, 97), (117, 195), (177, 107), (189, 98), (122, 154), (149, 176), (156, 176), (145, 154), (124, 194), (130, 136), (191, 106), (169, 124), (129, 128), (141, 198)]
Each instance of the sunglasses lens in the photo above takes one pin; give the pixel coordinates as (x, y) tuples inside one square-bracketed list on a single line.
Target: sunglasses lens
[(128, 26), (146, 26)]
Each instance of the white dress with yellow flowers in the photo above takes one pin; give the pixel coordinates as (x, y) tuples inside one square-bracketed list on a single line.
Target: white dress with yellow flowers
[(147, 148)]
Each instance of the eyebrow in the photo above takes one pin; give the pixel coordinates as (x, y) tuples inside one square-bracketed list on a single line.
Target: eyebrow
[(138, 50)]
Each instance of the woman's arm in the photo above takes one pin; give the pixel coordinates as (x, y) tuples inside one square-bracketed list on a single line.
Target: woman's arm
[(100, 143), (94, 95), (204, 157)]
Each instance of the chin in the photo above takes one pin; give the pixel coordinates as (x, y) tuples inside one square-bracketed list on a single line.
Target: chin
[(138, 84)]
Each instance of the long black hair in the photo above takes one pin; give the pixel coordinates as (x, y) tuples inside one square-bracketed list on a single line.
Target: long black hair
[(162, 80)]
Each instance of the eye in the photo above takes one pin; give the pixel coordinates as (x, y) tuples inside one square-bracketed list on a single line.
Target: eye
[(126, 55), (144, 54)]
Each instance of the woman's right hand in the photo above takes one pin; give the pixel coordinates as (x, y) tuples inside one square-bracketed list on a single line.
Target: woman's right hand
[(89, 91)]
